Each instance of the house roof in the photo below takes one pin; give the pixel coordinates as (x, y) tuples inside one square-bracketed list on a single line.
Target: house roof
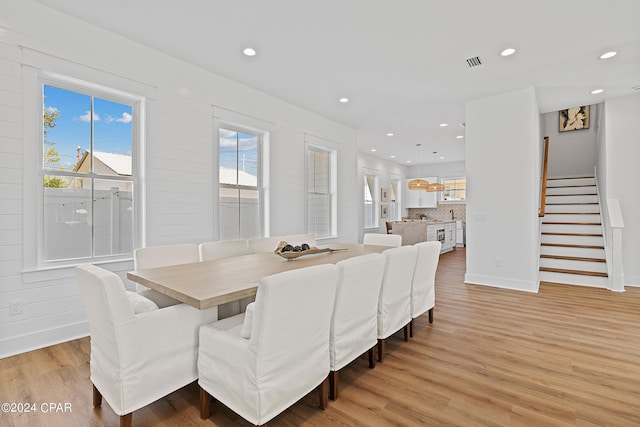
[(229, 175), (120, 164)]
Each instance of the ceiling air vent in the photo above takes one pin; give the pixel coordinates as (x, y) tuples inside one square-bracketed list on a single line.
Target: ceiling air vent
[(474, 62)]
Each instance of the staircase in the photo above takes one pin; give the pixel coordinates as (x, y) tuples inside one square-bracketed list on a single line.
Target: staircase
[(571, 242)]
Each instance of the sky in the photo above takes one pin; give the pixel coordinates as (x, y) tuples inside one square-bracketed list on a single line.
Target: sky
[(111, 123), (112, 128)]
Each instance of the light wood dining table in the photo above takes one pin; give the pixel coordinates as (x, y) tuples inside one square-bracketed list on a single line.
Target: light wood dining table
[(210, 283)]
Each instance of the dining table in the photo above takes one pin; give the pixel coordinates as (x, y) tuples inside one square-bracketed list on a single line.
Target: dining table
[(211, 283)]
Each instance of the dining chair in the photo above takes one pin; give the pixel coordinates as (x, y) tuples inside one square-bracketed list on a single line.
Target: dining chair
[(393, 240), (210, 251), (394, 305), (423, 292), (262, 361), (137, 356), (389, 226), (354, 327), (223, 249), (264, 244), (162, 256), (299, 239)]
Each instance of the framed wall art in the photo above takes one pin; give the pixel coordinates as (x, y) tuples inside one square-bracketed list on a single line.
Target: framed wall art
[(574, 118), (384, 195), (384, 211)]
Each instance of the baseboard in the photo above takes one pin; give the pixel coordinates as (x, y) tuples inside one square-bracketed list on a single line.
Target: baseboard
[(633, 281), (24, 343), (501, 282)]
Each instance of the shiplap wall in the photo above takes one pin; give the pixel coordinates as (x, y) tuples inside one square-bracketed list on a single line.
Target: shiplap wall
[(179, 177)]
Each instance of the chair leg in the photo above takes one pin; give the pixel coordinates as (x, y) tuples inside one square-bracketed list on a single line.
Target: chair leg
[(97, 397), (126, 420), (333, 385), (205, 404), (372, 359), (411, 328), (324, 393), (406, 331), (380, 350), (431, 315)]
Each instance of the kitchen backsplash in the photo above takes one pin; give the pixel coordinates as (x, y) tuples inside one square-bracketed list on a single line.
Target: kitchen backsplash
[(442, 212)]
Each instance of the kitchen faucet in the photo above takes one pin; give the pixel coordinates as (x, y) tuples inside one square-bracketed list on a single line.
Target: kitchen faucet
[(451, 212)]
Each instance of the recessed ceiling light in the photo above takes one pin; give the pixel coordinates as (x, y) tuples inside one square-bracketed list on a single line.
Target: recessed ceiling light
[(441, 157), (390, 134), (408, 161), (459, 136), (508, 51), (344, 100), (608, 55), (373, 150), (249, 52), (596, 91), (443, 124), (393, 157)]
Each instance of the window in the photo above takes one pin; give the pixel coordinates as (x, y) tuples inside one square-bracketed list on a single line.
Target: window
[(370, 201), (89, 172), (321, 194), (394, 200), (455, 189), (240, 183)]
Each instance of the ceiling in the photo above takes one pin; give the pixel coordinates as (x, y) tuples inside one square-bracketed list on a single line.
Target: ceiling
[(401, 63)]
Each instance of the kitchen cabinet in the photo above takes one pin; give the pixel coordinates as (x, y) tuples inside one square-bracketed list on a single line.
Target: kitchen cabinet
[(459, 234), (449, 236), (445, 233), (420, 198)]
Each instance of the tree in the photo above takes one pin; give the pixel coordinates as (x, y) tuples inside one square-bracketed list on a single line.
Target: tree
[(51, 156)]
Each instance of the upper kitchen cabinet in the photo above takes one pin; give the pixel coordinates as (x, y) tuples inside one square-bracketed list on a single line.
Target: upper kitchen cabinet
[(420, 198)]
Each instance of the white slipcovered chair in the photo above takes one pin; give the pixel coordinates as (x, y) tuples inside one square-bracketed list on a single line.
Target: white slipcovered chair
[(394, 305), (393, 240), (354, 326), (423, 290), (224, 249), (162, 256), (136, 358), (264, 244), (298, 239), (261, 362)]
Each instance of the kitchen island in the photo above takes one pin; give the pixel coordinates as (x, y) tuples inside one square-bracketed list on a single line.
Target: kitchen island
[(417, 231)]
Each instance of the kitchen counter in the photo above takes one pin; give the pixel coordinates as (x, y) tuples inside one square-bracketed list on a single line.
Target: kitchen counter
[(416, 231)]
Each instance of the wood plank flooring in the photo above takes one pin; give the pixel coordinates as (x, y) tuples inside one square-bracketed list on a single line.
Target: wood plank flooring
[(567, 356)]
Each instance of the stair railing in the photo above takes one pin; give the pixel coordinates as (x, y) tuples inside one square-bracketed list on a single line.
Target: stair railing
[(545, 165)]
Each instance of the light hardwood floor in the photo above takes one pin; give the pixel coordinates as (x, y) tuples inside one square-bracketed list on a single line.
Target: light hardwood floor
[(565, 356)]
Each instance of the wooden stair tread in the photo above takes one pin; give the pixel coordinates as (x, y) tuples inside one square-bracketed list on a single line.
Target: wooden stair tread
[(571, 234), (573, 258), (572, 194), (571, 186), (578, 272), (572, 213), (570, 223), (567, 245), (571, 177), (572, 203)]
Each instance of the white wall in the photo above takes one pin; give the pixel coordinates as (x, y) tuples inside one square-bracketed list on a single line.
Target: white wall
[(385, 170), (179, 170), (502, 169), (571, 153), (623, 175)]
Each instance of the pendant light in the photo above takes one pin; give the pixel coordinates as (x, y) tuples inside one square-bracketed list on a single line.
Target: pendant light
[(418, 184), (436, 186)]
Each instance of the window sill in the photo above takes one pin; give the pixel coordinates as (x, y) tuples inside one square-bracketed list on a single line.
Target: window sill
[(66, 270)]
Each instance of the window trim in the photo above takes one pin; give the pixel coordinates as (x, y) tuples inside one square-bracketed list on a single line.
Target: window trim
[(34, 81), (375, 201), (262, 137), (333, 193), (451, 178)]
